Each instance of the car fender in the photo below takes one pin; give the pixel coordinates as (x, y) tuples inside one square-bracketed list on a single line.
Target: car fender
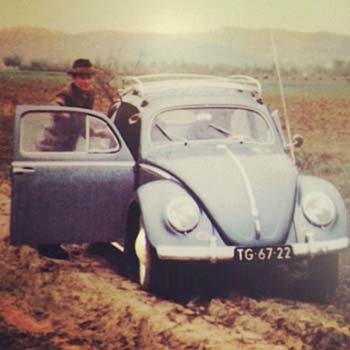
[(337, 229), (153, 198)]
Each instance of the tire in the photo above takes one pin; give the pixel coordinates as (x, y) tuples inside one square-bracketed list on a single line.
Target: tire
[(150, 269), (164, 278), (322, 278)]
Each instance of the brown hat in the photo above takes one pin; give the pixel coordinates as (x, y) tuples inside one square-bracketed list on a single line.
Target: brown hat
[(82, 66)]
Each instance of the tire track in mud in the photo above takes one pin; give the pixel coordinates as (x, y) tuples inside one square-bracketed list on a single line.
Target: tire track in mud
[(101, 309), (294, 324), (92, 307)]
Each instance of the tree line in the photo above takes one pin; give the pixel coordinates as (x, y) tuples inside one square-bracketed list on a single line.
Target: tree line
[(338, 68)]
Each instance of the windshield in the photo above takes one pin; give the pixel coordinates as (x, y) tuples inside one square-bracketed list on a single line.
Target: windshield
[(210, 123)]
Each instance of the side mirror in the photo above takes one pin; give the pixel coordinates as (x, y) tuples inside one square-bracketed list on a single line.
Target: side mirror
[(298, 140)]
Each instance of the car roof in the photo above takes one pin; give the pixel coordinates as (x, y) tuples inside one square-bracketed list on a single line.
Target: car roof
[(145, 89)]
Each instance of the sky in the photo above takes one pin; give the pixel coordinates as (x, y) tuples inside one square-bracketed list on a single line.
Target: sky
[(177, 16)]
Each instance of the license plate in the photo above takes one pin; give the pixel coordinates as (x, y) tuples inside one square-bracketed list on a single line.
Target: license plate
[(254, 254)]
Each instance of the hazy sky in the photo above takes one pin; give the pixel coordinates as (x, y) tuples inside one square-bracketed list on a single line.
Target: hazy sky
[(177, 15)]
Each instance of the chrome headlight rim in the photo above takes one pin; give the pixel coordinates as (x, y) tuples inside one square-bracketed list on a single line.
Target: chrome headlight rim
[(312, 216), (182, 214)]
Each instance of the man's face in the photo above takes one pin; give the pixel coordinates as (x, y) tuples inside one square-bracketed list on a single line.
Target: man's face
[(83, 82)]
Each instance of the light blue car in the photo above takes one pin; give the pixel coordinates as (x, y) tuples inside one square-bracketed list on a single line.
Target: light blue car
[(186, 168)]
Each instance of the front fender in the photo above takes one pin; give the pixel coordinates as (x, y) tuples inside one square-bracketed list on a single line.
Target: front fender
[(154, 198), (337, 229)]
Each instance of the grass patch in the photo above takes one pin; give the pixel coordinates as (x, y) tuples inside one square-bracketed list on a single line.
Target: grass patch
[(293, 88), (34, 75)]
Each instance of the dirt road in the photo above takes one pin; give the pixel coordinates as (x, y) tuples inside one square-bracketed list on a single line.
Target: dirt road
[(87, 303)]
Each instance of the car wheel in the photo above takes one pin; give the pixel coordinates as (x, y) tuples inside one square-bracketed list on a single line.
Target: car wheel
[(322, 278), (165, 278), (148, 262)]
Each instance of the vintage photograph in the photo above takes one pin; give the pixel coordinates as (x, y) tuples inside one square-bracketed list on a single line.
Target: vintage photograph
[(174, 175)]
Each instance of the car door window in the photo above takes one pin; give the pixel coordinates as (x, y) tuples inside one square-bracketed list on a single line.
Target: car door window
[(65, 132)]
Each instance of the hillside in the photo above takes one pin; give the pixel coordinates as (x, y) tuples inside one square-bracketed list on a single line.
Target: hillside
[(230, 45)]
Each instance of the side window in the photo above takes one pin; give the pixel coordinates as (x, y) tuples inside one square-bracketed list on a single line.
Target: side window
[(65, 132)]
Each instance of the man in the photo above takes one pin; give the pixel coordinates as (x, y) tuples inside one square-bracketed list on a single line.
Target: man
[(65, 129), (80, 92)]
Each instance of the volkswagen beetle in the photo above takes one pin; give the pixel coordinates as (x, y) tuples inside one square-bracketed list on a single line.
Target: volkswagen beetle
[(187, 169)]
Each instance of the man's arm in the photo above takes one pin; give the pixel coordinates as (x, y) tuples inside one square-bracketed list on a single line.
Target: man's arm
[(59, 100)]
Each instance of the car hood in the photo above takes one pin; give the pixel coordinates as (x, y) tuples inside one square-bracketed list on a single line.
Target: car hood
[(248, 192)]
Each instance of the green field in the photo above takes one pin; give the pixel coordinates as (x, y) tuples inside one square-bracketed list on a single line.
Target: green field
[(327, 88), (33, 75)]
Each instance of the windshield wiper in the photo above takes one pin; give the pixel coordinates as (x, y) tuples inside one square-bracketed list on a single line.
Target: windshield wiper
[(164, 132), (240, 138), (168, 136), (220, 129)]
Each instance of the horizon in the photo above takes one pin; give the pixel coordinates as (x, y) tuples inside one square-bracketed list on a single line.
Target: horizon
[(41, 28)]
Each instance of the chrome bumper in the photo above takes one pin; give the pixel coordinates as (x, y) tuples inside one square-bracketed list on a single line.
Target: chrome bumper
[(215, 253)]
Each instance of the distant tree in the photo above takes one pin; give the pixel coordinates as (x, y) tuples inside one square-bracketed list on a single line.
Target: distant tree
[(12, 61), (39, 65), (341, 68)]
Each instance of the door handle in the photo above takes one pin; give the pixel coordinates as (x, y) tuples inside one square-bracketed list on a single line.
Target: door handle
[(23, 170)]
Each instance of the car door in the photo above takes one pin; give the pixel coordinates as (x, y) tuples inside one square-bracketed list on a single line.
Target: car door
[(72, 177)]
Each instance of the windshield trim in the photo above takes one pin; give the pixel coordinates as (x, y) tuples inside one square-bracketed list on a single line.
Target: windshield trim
[(152, 144)]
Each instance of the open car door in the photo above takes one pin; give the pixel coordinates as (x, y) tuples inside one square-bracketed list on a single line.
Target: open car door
[(72, 177)]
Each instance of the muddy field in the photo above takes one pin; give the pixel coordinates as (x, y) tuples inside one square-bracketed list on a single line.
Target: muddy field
[(89, 302)]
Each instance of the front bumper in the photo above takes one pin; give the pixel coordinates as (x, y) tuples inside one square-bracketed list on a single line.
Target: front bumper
[(215, 253)]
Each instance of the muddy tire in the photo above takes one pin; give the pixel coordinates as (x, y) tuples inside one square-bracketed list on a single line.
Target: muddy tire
[(165, 278), (153, 274), (322, 278), (140, 259), (148, 263)]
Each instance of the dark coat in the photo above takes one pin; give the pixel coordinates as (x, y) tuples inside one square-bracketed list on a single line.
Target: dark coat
[(71, 96), (63, 132)]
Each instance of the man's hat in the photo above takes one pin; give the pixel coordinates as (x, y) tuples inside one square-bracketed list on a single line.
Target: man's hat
[(82, 66)]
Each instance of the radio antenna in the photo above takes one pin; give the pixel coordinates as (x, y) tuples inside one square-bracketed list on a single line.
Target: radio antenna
[(275, 58)]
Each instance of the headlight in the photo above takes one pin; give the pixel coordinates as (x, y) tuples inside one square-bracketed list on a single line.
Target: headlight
[(318, 208), (183, 214)]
